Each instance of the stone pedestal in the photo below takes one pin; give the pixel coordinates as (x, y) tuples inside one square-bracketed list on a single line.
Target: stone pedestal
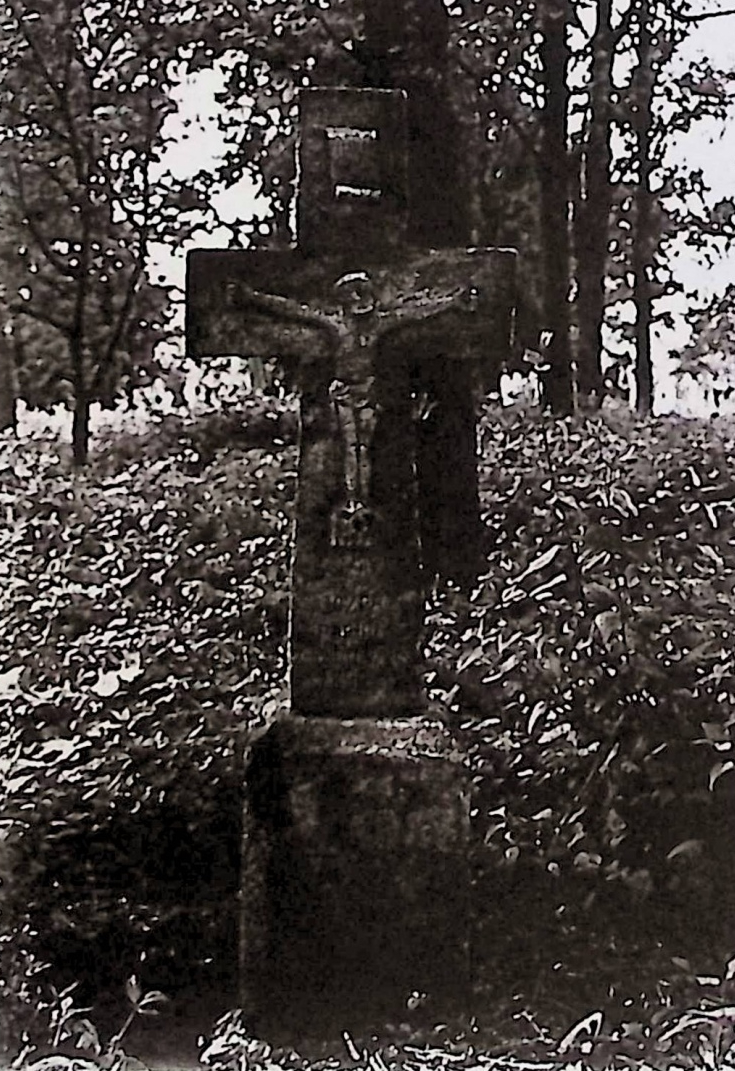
[(355, 884)]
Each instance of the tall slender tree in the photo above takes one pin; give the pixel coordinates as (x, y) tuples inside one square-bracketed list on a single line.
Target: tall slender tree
[(594, 201), (84, 93), (645, 238), (555, 190)]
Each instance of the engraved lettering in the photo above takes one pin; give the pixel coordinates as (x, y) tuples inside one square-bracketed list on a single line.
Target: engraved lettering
[(364, 193), (351, 133)]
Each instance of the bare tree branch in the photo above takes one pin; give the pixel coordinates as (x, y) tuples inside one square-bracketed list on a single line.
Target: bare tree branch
[(681, 17), (55, 260), (22, 309), (104, 365)]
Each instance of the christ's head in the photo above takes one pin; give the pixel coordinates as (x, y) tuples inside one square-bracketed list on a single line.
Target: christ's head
[(356, 292)]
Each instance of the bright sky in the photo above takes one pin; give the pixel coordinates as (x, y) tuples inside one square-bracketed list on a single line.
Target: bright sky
[(712, 147)]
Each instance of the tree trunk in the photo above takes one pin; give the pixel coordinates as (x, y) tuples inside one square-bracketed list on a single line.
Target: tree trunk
[(644, 236), (554, 171), (80, 429), (643, 318), (408, 43), (8, 388), (80, 419), (593, 216)]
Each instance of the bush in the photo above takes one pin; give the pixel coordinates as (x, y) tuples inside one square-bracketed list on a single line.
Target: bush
[(142, 641), (592, 670), (590, 674)]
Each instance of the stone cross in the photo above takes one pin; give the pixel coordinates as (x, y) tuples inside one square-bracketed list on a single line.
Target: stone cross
[(355, 879)]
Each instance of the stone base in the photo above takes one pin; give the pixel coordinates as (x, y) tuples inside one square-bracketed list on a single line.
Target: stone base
[(356, 879)]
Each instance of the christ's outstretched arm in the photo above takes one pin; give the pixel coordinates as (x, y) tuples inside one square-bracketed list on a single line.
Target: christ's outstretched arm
[(425, 306), (284, 308)]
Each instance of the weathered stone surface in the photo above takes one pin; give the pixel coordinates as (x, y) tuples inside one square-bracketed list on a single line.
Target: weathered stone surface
[(358, 585), (222, 320), (352, 156), (405, 48), (357, 604), (356, 876)]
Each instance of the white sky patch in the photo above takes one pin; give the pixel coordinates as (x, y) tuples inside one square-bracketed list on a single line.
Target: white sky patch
[(196, 143), (710, 146)]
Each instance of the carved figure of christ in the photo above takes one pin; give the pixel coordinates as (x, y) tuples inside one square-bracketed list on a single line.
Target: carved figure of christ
[(356, 325)]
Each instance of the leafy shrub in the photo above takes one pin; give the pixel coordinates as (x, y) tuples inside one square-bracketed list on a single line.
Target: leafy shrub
[(142, 640), (592, 670), (61, 1030), (692, 1028), (142, 645)]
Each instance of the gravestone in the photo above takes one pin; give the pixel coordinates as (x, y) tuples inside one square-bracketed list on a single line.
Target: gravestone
[(355, 876)]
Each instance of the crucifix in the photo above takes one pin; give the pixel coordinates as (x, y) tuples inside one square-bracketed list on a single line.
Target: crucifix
[(356, 325), (355, 876), (356, 320)]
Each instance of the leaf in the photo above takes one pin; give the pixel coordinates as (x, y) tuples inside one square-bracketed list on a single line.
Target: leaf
[(88, 1036), (715, 732), (470, 657), (106, 684), (131, 668), (51, 751), (609, 624), (587, 861), (133, 990), (539, 593), (710, 514), (10, 682), (538, 712), (352, 1050), (718, 770), (600, 593), (591, 1024), (712, 554), (688, 848), (623, 502), (702, 1017), (148, 1004), (539, 563)]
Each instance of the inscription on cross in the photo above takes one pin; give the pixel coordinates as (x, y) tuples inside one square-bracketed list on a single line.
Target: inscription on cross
[(356, 311)]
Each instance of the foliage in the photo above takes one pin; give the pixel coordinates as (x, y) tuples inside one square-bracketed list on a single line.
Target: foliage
[(708, 357), (671, 1034), (694, 1028), (233, 1046), (142, 639), (66, 1031), (599, 81), (590, 675), (591, 670), (86, 90)]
